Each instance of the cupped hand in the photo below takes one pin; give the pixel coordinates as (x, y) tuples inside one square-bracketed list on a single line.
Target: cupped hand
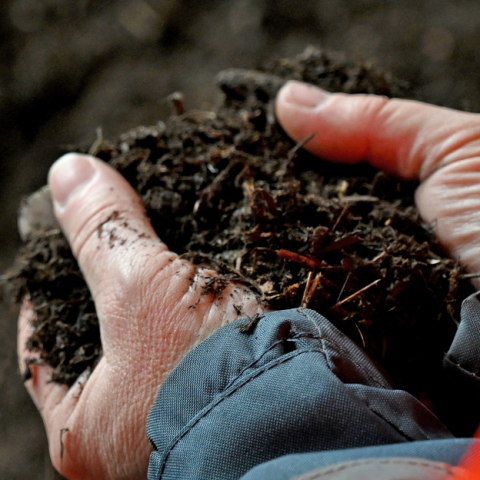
[(151, 312), (439, 147)]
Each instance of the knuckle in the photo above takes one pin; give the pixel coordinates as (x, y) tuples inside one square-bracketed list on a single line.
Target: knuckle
[(86, 237), (377, 109)]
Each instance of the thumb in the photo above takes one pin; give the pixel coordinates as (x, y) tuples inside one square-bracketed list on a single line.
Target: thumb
[(406, 138), (106, 226)]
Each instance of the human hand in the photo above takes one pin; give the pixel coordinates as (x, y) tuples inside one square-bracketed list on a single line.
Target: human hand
[(439, 147), (151, 312)]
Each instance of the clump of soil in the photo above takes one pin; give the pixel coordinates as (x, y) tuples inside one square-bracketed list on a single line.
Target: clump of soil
[(227, 188)]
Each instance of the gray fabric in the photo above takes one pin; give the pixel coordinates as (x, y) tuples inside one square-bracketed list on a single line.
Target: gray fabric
[(449, 451), (386, 469)]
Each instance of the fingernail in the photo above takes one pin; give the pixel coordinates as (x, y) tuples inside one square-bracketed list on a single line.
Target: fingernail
[(68, 176), (304, 95)]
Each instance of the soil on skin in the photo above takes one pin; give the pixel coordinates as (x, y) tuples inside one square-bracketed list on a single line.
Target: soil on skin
[(230, 190)]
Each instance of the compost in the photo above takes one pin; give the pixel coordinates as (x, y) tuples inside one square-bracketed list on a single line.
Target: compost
[(227, 188)]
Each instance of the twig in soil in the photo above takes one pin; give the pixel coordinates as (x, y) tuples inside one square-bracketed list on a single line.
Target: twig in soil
[(361, 335), (337, 221), (238, 264), (295, 257), (307, 289), (310, 288), (378, 257), (346, 241), (360, 198), (177, 101), (345, 300), (97, 144), (343, 287), (300, 145), (469, 275)]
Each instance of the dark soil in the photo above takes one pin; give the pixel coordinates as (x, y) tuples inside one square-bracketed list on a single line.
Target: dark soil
[(229, 189)]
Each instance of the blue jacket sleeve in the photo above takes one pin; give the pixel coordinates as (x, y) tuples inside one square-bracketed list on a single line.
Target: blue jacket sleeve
[(293, 385)]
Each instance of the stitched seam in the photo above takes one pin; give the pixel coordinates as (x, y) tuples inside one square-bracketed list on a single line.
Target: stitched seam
[(250, 365), (254, 362), (389, 461), (225, 394), (342, 350), (395, 427), (459, 366)]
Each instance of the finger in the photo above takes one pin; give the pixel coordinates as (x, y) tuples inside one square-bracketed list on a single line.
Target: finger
[(55, 402), (105, 224), (39, 385), (409, 139), (449, 200)]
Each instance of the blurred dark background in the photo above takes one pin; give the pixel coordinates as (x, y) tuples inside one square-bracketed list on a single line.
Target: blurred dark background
[(69, 67)]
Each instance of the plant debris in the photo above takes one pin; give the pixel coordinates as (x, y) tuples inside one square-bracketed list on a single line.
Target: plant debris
[(228, 189)]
